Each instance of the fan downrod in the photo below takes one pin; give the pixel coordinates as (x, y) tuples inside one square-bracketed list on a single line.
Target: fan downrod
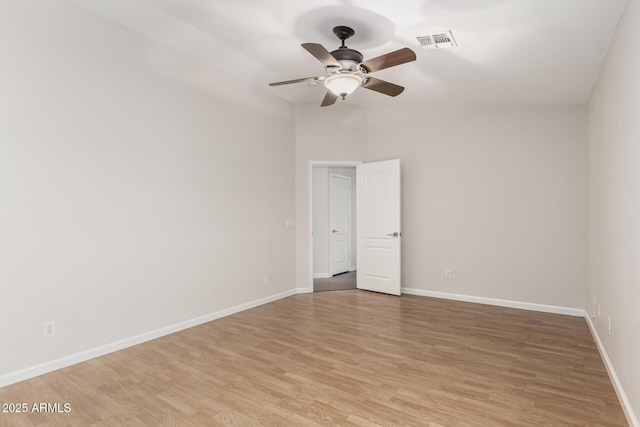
[(343, 33)]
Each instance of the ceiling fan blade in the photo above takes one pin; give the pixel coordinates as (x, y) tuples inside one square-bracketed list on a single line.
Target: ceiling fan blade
[(382, 86), (329, 99), (391, 59), (321, 54), (287, 82)]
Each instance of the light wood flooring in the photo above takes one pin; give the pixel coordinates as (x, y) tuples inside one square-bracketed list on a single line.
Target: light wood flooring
[(352, 358), (339, 282)]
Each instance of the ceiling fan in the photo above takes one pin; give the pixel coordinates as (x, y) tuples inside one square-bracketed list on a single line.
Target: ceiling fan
[(346, 71)]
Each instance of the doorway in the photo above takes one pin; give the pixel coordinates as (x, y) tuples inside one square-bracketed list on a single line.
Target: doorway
[(332, 215), (376, 244)]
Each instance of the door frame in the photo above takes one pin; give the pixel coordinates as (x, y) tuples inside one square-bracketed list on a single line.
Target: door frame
[(311, 165), (349, 227)]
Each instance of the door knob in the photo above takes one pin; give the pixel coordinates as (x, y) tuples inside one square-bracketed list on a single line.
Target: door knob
[(334, 231), (394, 234)]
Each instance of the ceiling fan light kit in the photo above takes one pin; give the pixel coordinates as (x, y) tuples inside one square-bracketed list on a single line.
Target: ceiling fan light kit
[(346, 70), (343, 85)]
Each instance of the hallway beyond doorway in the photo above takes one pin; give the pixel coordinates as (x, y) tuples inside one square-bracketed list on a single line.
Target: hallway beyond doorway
[(339, 282)]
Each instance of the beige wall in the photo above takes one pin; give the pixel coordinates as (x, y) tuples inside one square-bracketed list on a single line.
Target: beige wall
[(614, 204), (335, 133), (496, 194), (129, 200)]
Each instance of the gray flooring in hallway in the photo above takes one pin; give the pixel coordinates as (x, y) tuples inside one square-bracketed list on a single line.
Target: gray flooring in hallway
[(341, 282)]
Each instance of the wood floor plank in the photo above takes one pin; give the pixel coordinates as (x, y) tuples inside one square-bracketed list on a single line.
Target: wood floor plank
[(342, 358)]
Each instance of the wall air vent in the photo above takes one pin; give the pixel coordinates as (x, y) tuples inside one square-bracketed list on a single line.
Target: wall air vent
[(437, 40)]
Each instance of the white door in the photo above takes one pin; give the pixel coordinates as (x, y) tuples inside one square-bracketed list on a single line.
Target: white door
[(378, 226), (339, 223)]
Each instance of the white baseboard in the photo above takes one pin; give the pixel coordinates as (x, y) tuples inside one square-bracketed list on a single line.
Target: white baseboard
[(306, 290), (499, 302), (354, 268), (617, 385), (63, 362)]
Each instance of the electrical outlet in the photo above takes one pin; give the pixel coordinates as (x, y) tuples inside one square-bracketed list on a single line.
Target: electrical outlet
[(265, 279), (609, 325), (290, 223), (49, 328), (448, 274)]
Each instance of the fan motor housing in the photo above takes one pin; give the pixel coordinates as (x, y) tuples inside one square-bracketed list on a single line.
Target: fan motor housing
[(346, 54), (349, 59)]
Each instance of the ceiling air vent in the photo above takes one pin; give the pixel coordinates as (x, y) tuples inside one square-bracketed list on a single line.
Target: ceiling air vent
[(438, 40)]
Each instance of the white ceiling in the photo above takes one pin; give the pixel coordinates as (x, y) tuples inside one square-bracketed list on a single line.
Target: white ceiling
[(518, 52)]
